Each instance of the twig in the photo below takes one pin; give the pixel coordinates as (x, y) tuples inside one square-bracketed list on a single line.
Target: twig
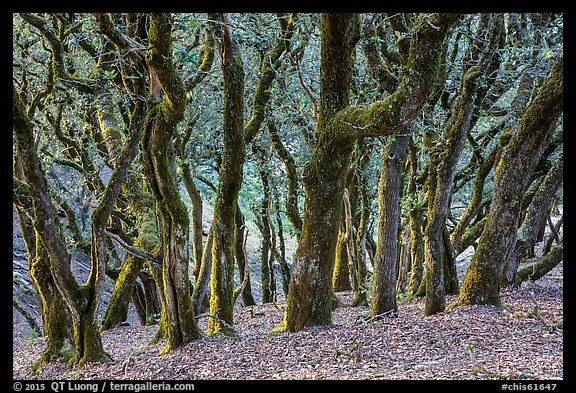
[(478, 368), (535, 313), (136, 251), (389, 313), (126, 364), (226, 324)]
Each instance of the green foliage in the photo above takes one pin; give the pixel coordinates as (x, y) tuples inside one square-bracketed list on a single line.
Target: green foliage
[(33, 337)]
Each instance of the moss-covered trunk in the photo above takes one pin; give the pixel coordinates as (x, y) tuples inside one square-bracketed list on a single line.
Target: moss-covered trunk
[(81, 301), (292, 209), (230, 181), (201, 282), (159, 165), (536, 215), (537, 267), (415, 221), (385, 261), (310, 294), (482, 282), (440, 191), (56, 322), (475, 201), (343, 277)]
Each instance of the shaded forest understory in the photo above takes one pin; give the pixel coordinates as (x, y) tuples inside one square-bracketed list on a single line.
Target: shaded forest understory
[(522, 340)]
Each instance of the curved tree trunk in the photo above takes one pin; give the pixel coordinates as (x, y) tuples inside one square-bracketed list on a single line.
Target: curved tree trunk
[(81, 301), (310, 294), (537, 267), (159, 164), (490, 28), (536, 216), (57, 324)]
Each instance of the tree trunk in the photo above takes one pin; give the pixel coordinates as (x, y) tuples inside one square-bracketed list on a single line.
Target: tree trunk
[(230, 181), (281, 255), (310, 294), (241, 258), (535, 218), (351, 250), (267, 251), (341, 273), (459, 123), (537, 267), (81, 301), (292, 209), (403, 259), (482, 282), (57, 324), (204, 274), (415, 220), (475, 201), (385, 262), (159, 163)]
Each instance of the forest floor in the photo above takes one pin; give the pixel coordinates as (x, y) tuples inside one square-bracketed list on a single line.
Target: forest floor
[(521, 340)]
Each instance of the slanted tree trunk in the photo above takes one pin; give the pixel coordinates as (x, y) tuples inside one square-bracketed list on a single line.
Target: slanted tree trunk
[(482, 282), (475, 201), (538, 267), (56, 322), (292, 209), (204, 274), (81, 301), (536, 216)]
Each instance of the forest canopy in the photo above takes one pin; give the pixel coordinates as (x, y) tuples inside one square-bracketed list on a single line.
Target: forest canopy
[(202, 162)]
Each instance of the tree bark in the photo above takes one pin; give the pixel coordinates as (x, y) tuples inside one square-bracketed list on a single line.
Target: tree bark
[(415, 212), (81, 301), (242, 259), (385, 261), (310, 294), (459, 123), (159, 163), (230, 181), (538, 267), (56, 321), (482, 282), (535, 218)]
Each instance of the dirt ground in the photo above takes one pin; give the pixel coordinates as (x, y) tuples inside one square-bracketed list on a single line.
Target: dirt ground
[(522, 340)]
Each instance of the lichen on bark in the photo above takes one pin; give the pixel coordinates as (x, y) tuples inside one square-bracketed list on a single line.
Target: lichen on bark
[(482, 282)]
